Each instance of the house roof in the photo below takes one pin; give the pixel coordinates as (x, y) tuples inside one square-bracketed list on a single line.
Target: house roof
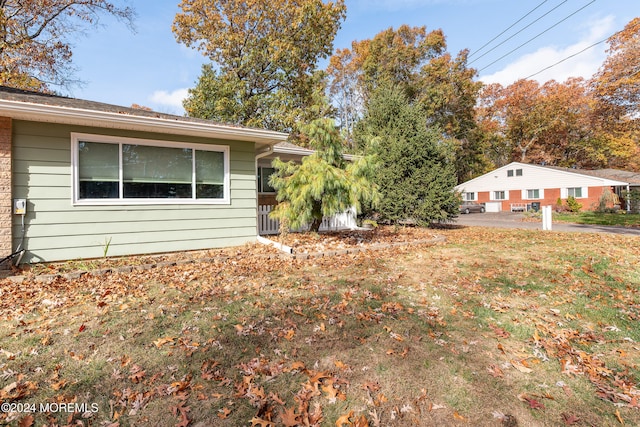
[(25, 105), (546, 173), (289, 148), (633, 178)]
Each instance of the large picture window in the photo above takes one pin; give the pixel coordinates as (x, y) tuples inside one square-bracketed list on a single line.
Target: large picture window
[(125, 170)]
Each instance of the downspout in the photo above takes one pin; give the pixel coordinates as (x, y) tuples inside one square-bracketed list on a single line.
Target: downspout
[(258, 157), (628, 198)]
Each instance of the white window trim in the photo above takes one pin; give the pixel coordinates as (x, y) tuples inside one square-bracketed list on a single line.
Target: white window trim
[(466, 197), (76, 138), (540, 194), (492, 195), (565, 192)]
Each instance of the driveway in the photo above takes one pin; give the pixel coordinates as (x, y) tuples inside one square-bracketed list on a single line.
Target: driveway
[(516, 220)]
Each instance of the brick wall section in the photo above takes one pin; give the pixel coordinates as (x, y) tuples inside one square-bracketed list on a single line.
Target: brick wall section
[(5, 187), (551, 195)]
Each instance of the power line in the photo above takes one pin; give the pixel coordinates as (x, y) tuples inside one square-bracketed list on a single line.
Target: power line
[(538, 35), (517, 32), (510, 27), (567, 58), (632, 74)]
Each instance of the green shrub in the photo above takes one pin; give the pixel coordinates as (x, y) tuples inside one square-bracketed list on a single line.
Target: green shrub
[(573, 205)]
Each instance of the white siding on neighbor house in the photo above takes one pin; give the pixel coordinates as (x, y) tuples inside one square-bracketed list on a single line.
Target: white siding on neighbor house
[(58, 230), (533, 177)]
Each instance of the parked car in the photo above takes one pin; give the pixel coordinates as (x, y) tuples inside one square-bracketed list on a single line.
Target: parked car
[(468, 207)]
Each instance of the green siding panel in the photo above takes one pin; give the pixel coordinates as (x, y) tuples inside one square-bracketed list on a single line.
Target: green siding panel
[(57, 230), (97, 251)]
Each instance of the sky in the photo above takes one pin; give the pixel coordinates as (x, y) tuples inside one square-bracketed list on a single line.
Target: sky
[(507, 40)]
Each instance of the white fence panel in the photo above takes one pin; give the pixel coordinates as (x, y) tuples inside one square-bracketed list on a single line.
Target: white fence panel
[(267, 225), (342, 221)]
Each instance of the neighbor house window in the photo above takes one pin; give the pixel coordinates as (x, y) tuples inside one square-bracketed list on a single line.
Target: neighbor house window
[(518, 172), (575, 192), (533, 194), (263, 180), (510, 172), (499, 195), (470, 197), (125, 170)]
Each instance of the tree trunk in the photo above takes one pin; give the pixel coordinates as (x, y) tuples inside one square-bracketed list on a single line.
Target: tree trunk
[(315, 225), (317, 216)]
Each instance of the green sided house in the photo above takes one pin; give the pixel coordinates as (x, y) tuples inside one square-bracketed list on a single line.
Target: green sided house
[(77, 176)]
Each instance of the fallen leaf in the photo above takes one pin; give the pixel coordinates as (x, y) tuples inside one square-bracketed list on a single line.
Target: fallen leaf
[(619, 417), (162, 341), (26, 421), (361, 421), (58, 384), (533, 403), (457, 416), (341, 365), (520, 367), (289, 418), (255, 421), (344, 419), (570, 419), (495, 371), (224, 413)]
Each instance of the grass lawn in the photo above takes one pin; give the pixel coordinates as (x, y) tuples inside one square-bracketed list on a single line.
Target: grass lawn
[(493, 327), (595, 218)]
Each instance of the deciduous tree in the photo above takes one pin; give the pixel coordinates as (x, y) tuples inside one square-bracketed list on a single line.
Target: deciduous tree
[(449, 94), (35, 52), (554, 123), (415, 61), (264, 57), (617, 83)]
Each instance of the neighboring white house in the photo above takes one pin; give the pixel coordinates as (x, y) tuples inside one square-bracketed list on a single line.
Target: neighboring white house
[(519, 186)]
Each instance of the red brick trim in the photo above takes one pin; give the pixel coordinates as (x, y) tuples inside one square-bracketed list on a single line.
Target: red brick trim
[(5, 186)]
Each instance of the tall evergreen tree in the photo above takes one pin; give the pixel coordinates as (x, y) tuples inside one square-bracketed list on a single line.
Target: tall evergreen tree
[(416, 171)]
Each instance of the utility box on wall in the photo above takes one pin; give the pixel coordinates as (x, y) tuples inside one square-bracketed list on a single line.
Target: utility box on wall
[(20, 206)]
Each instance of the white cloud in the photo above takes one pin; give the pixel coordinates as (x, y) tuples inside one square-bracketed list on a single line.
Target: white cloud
[(584, 64), (172, 99)]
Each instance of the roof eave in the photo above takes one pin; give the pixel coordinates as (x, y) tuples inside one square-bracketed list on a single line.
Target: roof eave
[(82, 117)]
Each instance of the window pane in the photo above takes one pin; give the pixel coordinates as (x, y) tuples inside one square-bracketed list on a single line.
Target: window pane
[(575, 192), (518, 172), (143, 163), (209, 174), (156, 172), (510, 172), (265, 173), (98, 171)]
